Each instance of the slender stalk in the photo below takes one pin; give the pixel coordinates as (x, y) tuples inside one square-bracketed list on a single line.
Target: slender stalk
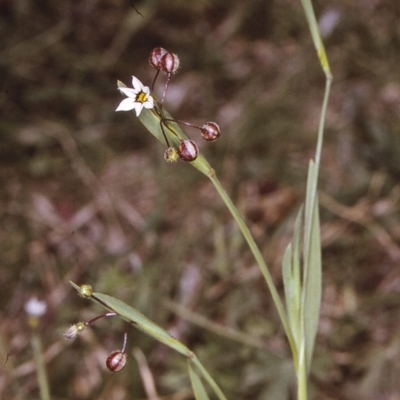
[(321, 127), (303, 366), (208, 378), (311, 198), (40, 367), (302, 381), (260, 261)]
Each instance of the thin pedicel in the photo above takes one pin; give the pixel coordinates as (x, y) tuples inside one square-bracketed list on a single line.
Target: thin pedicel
[(166, 62), (116, 360)]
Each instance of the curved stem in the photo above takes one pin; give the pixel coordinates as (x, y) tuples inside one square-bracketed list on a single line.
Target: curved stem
[(260, 261), (208, 377), (179, 121)]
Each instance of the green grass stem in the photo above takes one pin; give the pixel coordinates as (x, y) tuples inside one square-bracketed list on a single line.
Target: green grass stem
[(36, 344)]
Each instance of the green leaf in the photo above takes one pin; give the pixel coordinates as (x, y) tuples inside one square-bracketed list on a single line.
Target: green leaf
[(319, 45), (312, 287), (292, 283), (139, 320), (297, 251), (199, 390), (311, 191), (290, 291)]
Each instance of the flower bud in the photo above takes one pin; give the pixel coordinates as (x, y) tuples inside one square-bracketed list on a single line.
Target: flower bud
[(116, 361), (85, 291), (155, 57), (210, 131), (169, 63), (171, 155), (188, 150), (74, 330)]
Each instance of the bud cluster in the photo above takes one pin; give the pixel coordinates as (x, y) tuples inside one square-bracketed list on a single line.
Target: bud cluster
[(116, 360), (164, 61), (168, 63)]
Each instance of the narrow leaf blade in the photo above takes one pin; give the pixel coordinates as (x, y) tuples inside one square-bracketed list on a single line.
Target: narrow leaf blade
[(313, 288), (290, 291), (292, 282), (199, 390), (311, 195), (137, 319)]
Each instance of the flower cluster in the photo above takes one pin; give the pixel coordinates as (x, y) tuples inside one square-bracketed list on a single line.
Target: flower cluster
[(116, 360), (140, 97)]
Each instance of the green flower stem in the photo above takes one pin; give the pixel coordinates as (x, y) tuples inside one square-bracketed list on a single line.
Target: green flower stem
[(40, 367), (260, 261), (208, 378), (302, 381)]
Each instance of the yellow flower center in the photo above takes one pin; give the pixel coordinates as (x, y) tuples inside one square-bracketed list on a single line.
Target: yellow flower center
[(141, 97)]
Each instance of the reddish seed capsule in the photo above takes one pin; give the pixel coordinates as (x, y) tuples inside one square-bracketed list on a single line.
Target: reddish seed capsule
[(155, 57), (210, 131), (169, 63), (188, 150), (116, 361)]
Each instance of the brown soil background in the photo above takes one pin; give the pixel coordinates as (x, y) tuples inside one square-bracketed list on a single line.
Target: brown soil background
[(85, 194)]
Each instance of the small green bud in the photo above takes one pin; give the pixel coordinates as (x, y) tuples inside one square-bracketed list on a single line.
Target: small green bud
[(171, 155)]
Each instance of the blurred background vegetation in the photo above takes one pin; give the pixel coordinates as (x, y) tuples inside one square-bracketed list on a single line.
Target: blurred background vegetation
[(85, 193)]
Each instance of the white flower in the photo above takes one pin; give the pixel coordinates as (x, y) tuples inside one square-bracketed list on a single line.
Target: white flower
[(34, 307), (74, 330), (138, 97)]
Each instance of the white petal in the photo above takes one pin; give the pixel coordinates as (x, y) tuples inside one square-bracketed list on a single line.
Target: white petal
[(138, 108), (149, 103), (137, 85), (126, 105), (128, 92)]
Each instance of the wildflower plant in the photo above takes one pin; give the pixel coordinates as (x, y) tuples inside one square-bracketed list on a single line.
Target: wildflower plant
[(302, 273)]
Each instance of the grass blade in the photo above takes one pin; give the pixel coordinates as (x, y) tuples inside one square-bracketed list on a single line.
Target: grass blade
[(316, 37), (198, 387), (292, 283), (140, 321), (312, 288)]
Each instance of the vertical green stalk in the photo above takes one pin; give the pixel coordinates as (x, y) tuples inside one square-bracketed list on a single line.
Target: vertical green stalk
[(302, 381), (311, 212), (40, 366)]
